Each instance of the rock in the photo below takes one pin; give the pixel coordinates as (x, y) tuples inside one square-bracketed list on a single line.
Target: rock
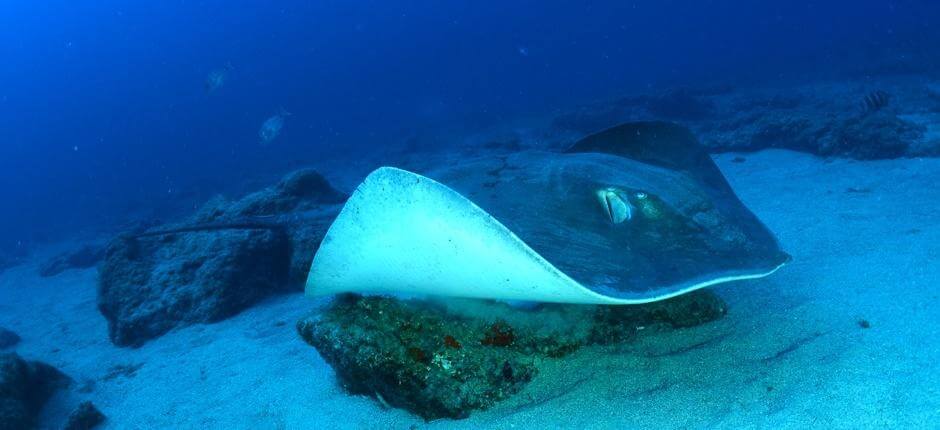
[(8, 338), (617, 323), (25, 386), (305, 193), (83, 258), (875, 136), (310, 185), (832, 120), (399, 353), (85, 417), (223, 259), (305, 235), (299, 191), (148, 286), (444, 360)]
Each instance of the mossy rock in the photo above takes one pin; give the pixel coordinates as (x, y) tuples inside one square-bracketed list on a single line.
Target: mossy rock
[(446, 359)]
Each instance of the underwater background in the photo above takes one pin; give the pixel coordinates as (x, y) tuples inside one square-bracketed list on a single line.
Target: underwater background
[(105, 110), (120, 117)]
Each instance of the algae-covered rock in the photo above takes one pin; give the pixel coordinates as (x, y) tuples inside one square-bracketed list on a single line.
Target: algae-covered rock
[(418, 358), (445, 359), (25, 386), (612, 324)]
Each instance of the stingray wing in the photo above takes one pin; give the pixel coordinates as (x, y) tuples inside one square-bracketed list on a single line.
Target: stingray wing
[(402, 232)]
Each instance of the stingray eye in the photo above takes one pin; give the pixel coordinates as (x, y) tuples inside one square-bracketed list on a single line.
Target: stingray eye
[(640, 195), (615, 206)]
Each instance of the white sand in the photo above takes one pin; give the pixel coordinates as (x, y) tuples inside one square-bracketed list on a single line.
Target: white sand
[(790, 353)]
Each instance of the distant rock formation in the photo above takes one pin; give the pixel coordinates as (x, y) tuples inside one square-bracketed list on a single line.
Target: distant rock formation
[(827, 119), (82, 258), (25, 386), (225, 258)]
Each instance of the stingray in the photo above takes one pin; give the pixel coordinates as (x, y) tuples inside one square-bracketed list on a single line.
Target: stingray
[(633, 214)]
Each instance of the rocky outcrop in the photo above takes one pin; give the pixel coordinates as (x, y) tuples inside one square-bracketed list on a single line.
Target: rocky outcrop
[(853, 120), (874, 135), (225, 258), (446, 360), (25, 386)]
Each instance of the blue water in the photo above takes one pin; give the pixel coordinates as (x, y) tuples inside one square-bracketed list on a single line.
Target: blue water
[(119, 116), (103, 104)]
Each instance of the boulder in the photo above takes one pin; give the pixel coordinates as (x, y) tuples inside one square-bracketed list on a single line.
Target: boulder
[(303, 203), (298, 191), (446, 359), (25, 386), (148, 286), (223, 259)]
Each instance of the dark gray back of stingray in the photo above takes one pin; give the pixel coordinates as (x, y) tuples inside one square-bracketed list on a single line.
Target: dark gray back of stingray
[(688, 226)]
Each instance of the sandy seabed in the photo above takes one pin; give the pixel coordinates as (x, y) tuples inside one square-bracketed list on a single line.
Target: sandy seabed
[(791, 353)]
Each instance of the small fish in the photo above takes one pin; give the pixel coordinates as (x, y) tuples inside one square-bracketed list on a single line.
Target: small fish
[(272, 126), (216, 78), (523, 51), (875, 101)]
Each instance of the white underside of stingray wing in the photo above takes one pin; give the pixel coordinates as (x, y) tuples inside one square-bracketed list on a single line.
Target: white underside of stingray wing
[(402, 232)]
